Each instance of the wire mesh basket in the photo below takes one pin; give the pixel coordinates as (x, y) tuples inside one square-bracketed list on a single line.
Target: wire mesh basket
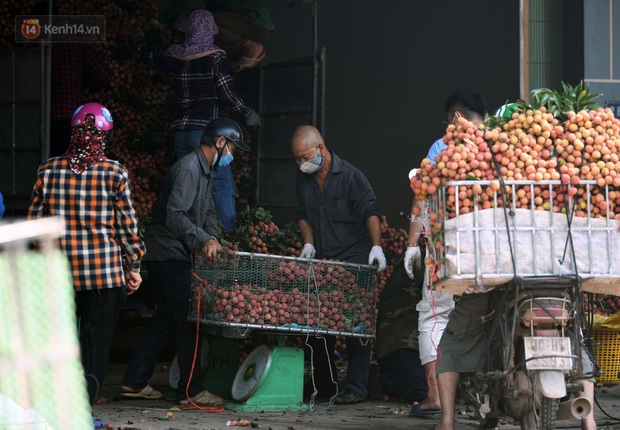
[(259, 291), (42, 383), (545, 230)]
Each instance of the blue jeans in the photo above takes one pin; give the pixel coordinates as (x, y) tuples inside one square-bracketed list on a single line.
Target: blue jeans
[(170, 282), (402, 374), (185, 141)]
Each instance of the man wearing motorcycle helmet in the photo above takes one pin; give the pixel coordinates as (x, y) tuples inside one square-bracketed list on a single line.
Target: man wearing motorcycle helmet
[(93, 195), (203, 85), (184, 222)]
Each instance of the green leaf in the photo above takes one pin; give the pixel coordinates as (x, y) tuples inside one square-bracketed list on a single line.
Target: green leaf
[(470, 177), (557, 98), (567, 88), (583, 94)]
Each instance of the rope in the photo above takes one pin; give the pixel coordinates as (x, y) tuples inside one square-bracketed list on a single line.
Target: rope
[(210, 409), (437, 351), (312, 282), (589, 323), (505, 203)]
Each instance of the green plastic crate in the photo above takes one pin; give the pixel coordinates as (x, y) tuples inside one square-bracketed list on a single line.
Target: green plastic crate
[(41, 378)]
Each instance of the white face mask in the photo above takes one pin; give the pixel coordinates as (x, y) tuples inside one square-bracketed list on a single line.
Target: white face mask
[(313, 165)]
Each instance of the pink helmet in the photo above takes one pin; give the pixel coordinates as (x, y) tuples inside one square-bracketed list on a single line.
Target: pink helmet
[(103, 118)]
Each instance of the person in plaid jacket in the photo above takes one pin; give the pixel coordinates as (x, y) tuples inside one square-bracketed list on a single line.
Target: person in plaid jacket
[(202, 86), (92, 194)]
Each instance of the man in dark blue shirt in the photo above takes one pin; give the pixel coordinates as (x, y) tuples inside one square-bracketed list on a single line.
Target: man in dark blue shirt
[(338, 217)]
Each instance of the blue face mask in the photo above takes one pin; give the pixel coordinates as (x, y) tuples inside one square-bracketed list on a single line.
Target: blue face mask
[(225, 160)]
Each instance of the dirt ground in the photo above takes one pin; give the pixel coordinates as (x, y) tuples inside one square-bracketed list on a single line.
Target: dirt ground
[(148, 414), (374, 414)]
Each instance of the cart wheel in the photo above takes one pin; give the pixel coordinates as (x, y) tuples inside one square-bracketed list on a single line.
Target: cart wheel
[(174, 373)]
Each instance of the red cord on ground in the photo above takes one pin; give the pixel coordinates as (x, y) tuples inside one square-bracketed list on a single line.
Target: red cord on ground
[(210, 409), (430, 286), (433, 342)]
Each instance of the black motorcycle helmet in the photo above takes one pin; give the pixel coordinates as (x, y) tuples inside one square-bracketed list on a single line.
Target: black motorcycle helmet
[(229, 129)]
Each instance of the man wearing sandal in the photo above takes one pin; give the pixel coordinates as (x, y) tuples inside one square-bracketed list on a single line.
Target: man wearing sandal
[(184, 222), (435, 307)]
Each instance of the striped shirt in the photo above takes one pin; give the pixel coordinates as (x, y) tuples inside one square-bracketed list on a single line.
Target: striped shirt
[(101, 232), (200, 87)]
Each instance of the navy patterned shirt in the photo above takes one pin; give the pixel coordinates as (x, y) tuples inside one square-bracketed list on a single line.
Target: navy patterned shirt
[(200, 87)]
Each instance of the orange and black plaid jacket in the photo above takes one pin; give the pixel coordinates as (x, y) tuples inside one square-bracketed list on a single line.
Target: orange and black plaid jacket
[(101, 231)]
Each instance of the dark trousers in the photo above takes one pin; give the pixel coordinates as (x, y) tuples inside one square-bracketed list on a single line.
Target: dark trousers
[(170, 282), (60, 136), (97, 313), (402, 375), (357, 371), (234, 30)]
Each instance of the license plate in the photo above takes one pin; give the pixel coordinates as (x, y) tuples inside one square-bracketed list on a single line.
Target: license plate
[(555, 353)]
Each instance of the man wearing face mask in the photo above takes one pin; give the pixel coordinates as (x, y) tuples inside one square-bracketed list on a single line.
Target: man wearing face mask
[(338, 217), (184, 221)]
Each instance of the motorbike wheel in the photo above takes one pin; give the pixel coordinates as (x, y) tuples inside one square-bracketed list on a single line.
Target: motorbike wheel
[(548, 411), (545, 419)]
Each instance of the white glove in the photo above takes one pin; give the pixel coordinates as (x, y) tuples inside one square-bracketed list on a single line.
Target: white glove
[(413, 259), (252, 119), (308, 251), (377, 256)]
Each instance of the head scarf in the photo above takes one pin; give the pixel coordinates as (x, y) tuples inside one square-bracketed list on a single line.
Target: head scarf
[(199, 28), (87, 145)]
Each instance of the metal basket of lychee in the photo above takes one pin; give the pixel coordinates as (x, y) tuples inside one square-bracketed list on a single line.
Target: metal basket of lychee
[(263, 291)]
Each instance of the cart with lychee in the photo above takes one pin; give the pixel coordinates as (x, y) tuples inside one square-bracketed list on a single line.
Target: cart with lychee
[(535, 195)]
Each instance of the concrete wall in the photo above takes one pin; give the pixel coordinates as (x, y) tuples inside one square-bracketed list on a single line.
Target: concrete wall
[(601, 48), (390, 66)]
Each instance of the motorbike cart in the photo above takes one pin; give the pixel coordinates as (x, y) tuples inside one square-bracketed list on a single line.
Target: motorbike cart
[(535, 257), (535, 356)]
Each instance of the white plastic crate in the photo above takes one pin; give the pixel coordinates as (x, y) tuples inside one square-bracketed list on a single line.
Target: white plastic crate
[(474, 250)]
